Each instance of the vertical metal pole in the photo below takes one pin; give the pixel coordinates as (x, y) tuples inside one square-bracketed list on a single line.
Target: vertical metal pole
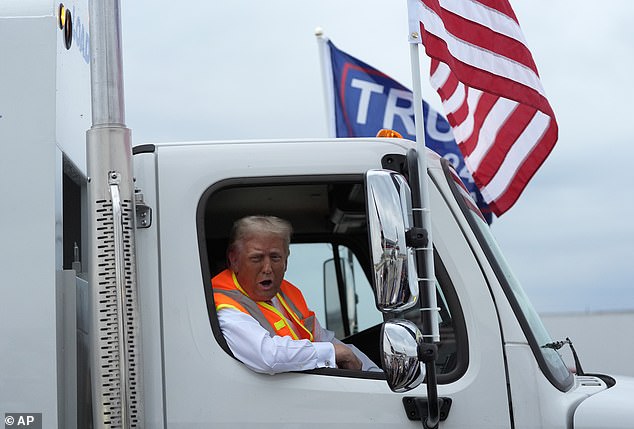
[(429, 292), (106, 66), (427, 278), (114, 319), (326, 79)]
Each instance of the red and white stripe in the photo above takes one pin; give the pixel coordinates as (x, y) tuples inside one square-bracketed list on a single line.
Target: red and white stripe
[(490, 89)]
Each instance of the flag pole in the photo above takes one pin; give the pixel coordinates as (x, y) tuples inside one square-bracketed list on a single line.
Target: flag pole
[(417, 92), (424, 255), (326, 79), (429, 275)]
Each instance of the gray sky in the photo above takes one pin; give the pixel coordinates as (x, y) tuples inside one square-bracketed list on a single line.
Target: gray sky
[(208, 70)]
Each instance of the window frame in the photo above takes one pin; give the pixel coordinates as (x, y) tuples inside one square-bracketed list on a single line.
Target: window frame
[(354, 243), (351, 242)]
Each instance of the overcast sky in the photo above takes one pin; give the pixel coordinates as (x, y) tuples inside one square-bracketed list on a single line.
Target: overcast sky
[(208, 70)]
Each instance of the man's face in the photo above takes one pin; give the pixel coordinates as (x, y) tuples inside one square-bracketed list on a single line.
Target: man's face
[(259, 264)]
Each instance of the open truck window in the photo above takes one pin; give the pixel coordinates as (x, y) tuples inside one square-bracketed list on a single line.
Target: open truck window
[(329, 261)]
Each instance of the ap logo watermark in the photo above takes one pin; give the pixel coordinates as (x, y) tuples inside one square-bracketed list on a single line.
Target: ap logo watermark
[(23, 420)]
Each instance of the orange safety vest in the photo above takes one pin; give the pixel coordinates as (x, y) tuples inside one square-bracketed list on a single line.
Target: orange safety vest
[(229, 294)]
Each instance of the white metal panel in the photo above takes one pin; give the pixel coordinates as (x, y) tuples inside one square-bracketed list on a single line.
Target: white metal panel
[(73, 112), (480, 397), (29, 175), (31, 216), (609, 409), (23, 8), (149, 296), (536, 402), (66, 308)]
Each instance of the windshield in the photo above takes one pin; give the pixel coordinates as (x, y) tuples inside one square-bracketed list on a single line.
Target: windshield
[(549, 360)]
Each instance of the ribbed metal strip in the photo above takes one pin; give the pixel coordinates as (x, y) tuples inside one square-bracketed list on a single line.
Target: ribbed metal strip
[(108, 350)]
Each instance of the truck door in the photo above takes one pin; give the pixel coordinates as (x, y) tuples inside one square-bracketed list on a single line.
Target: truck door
[(470, 353), (206, 386)]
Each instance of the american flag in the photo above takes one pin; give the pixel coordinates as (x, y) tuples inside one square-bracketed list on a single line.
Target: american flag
[(490, 90)]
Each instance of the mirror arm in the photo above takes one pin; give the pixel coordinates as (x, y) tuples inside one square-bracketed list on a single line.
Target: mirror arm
[(427, 353), (417, 237)]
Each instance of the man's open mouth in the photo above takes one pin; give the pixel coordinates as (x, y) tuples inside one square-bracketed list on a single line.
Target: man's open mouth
[(266, 283)]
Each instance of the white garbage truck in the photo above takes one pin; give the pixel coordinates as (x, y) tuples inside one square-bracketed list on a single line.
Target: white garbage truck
[(107, 317)]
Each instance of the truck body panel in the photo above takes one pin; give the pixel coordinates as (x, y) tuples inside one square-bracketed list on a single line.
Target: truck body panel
[(613, 405), (44, 113)]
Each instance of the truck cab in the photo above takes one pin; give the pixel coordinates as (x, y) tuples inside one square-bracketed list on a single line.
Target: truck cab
[(492, 363)]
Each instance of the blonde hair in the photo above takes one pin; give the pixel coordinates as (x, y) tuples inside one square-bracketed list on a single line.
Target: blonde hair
[(259, 224)]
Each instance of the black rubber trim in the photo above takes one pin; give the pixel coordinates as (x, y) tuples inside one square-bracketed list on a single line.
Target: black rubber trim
[(144, 148), (373, 375)]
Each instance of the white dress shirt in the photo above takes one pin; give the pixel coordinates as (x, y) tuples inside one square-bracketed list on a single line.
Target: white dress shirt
[(258, 350)]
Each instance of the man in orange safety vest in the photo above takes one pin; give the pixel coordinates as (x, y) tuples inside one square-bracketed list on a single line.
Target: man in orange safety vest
[(264, 318)]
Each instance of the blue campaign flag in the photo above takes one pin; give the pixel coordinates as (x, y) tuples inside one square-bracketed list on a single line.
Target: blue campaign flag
[(367, 100)]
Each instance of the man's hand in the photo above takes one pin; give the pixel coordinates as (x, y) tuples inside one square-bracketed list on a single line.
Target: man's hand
[(345, 358)]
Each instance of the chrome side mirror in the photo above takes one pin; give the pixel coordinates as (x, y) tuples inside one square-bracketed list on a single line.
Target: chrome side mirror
[(389, 217), (400, 341)]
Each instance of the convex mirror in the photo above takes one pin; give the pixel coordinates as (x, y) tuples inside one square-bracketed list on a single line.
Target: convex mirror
[(400, 341)]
